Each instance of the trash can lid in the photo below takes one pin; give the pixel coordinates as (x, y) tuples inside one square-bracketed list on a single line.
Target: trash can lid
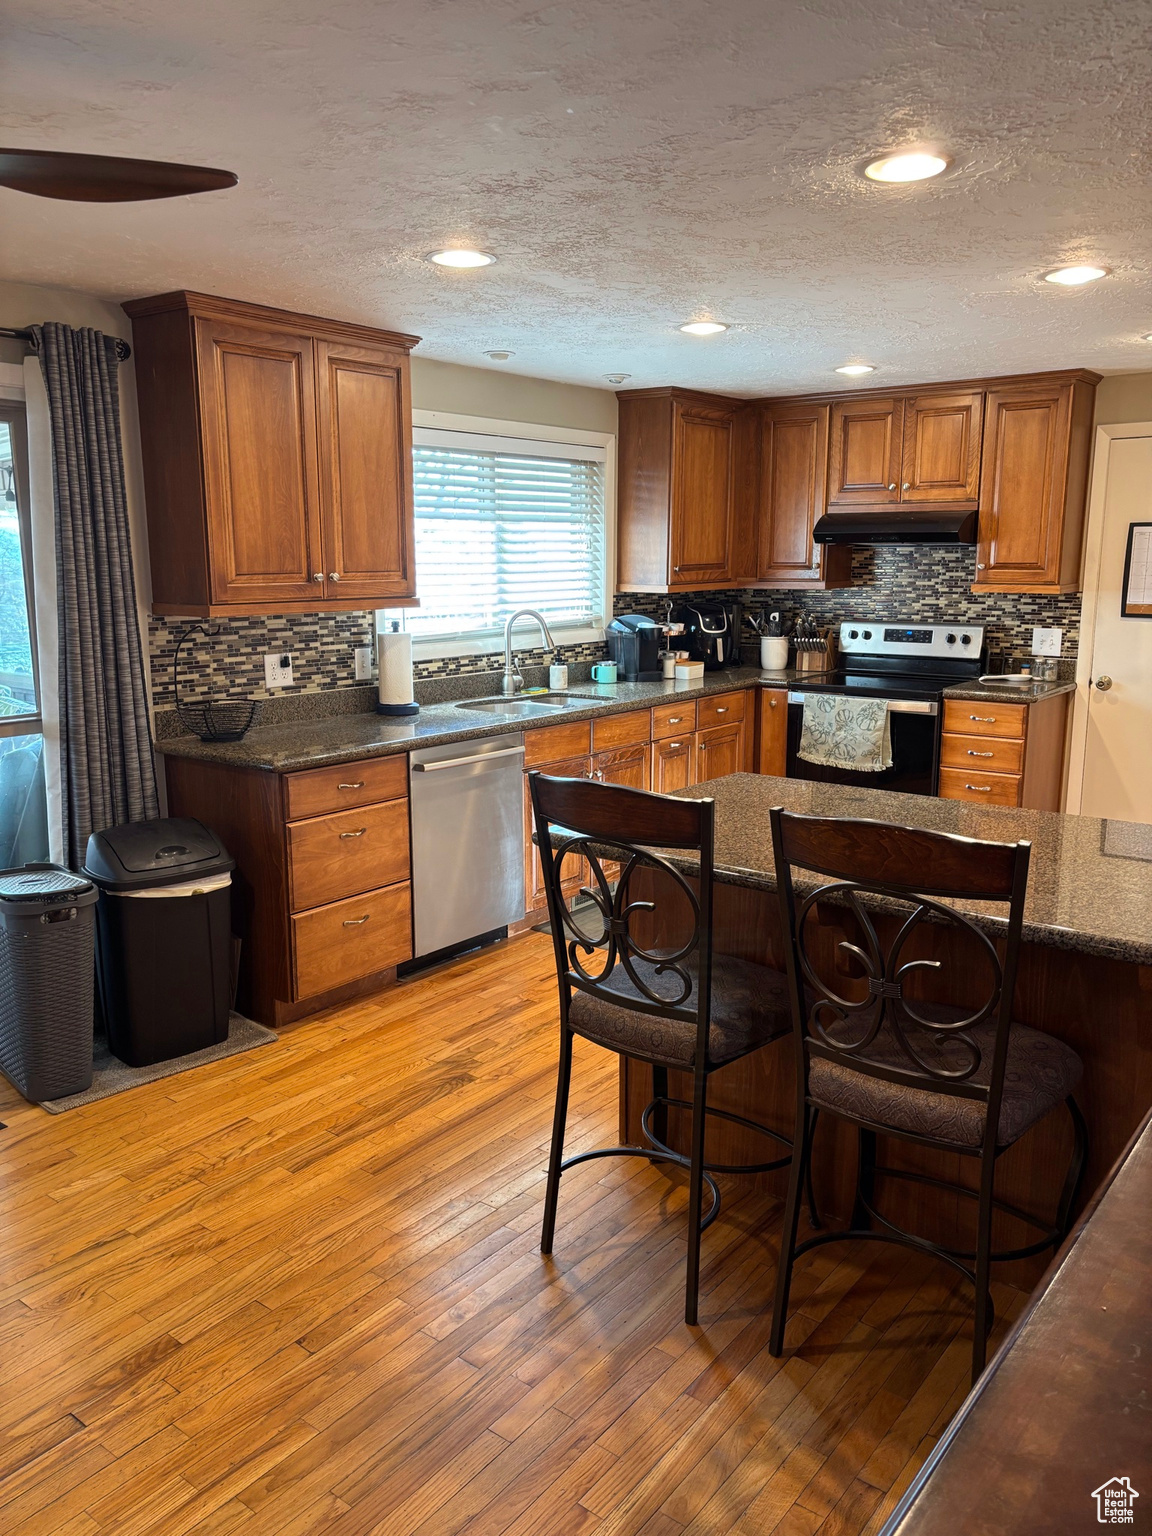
[(45, 884), (168, 851)]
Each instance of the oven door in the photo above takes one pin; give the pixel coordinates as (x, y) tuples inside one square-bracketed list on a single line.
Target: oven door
[(915, 726)]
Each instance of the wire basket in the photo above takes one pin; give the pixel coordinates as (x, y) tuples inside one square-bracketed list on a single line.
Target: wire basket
[(224, 720)]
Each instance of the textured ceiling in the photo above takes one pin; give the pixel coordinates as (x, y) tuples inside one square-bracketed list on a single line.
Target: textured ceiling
[(633, 163)]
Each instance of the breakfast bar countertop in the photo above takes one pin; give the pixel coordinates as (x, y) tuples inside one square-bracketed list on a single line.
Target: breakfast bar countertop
[(1089, 884)]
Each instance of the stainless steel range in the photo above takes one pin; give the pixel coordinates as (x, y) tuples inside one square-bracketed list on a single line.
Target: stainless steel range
[(909, 665)]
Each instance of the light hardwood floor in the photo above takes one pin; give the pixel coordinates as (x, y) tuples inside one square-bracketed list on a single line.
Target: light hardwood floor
[(300, 1291)]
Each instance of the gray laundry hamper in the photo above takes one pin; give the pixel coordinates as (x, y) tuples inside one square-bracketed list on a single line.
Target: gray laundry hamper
[(47, 980)]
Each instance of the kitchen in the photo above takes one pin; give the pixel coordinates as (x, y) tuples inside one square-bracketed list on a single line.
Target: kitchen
[(475, 657)]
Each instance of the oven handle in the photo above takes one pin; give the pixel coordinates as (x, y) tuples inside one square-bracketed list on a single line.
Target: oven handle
[(895, 706)]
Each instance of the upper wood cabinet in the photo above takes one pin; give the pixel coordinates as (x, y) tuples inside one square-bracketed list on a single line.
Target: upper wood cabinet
[(793, 481), (1033, 485), (686, 497), (914, 449), (277, 458)]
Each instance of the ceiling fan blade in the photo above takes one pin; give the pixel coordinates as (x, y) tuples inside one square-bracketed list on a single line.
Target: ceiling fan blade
[(104, 178)]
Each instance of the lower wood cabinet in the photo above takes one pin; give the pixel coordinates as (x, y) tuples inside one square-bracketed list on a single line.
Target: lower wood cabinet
[(719, 751), (1004, 754), (629, 766), (772, 732), (673, 764), (575, 870), (322, 890)]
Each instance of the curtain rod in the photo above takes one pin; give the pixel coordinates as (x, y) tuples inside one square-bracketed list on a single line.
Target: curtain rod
[(123, 350)]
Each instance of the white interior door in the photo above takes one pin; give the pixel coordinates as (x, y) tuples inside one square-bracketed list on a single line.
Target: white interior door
[(1117, 755)]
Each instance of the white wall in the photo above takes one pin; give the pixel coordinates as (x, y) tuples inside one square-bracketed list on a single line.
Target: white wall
[(509, 396), (1124, 397)]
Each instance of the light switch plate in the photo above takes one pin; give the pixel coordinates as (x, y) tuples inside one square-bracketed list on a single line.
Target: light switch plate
[(363, 663), (278, 669), (1047, 642)]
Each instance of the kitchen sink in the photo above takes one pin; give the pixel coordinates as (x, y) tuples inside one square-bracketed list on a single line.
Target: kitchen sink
[(524, 708)]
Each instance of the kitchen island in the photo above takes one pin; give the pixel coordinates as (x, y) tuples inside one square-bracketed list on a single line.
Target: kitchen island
[(1085, 976)]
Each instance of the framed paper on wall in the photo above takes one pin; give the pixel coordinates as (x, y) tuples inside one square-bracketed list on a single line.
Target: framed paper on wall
[(1136, 593)]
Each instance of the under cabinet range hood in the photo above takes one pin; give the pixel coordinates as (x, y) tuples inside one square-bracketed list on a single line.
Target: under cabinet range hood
[(885, 525)]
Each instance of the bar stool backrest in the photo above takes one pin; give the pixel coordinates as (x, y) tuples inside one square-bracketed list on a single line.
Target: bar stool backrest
[(665, 971), (867, 867)]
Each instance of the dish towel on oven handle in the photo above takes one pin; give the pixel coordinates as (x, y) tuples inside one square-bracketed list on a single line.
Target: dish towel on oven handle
[(843, 732)]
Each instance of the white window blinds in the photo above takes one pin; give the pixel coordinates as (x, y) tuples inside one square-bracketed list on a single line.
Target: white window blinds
[(506, 523)]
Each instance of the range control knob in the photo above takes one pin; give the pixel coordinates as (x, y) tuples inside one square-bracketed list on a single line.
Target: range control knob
[(867, 634), (950, 639), (965, 639), (853, 634)]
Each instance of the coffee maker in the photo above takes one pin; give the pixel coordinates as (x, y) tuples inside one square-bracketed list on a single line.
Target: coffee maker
[(708, 634), (634, 644)]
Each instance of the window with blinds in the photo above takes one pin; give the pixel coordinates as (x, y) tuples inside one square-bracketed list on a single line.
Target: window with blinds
[(506, 523)]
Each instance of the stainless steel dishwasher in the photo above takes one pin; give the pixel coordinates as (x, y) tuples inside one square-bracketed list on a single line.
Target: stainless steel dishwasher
[(467, 807)]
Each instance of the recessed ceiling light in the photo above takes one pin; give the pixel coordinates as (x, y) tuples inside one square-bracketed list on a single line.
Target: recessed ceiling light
[(617, 378), (854, 370), (461, 258), (915, 165), (1072, 277), (1148, 337), (500, 357), (703, 328)]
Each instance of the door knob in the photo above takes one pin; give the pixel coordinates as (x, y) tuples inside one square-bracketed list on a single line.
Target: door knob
[(1103, 682)]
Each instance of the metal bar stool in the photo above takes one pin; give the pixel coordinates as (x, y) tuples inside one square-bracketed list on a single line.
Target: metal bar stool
[(962, 1079), (638, 976)]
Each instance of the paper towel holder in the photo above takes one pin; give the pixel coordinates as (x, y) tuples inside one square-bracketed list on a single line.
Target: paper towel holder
[(393, 707)]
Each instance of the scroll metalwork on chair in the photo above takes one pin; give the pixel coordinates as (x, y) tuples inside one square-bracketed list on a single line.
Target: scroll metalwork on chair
[(950, 1070), (637, 973)]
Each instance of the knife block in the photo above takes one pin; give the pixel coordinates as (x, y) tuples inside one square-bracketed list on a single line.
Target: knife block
[(819, 661)]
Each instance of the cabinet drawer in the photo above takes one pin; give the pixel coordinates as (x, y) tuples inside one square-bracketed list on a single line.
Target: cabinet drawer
[(334, 856), (965, 717), (321, 790), (673, 720), (719, 709), (345, 940), (979, 787), (982, 754), (621, 730), (552, 742)]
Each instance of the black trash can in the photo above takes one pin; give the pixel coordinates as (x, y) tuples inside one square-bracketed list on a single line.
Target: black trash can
[(46, 988), (165, 937)]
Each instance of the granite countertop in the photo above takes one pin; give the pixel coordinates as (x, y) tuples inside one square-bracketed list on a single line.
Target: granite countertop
[(1006, 693), (301, 744), (1090, 880)]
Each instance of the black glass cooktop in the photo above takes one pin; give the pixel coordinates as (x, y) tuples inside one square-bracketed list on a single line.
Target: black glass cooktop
[(883, 685)]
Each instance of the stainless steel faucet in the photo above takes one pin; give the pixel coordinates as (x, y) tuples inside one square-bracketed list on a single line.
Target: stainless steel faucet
[(513, 682)]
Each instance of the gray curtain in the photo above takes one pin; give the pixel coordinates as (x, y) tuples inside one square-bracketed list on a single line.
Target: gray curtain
[(107, 772)]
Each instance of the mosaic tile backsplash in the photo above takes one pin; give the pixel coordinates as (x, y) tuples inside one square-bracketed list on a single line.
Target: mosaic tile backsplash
[(925, 586)]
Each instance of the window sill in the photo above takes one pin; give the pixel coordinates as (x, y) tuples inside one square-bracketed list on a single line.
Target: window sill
[(526, 639)]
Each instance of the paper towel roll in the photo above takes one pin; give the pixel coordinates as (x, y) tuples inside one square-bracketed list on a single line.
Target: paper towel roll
[(394, 652)]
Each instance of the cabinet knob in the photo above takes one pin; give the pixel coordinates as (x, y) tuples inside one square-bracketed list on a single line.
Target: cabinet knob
[(722, 709), (676, 569), (358, 833), (907, 486), (355, 922), (333, 575), (317, 575), (892, 487), (980, 566), (984, 789), (772, 703)]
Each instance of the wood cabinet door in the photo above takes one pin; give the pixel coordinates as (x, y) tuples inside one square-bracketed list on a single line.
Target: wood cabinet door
[(703, 443), (719, 751), (365, 472), (864, 452), (793, 481), (629, 766), (258, 423), (575, 870), (772, 756), (673, 764), (941, 460), (1026, 435)]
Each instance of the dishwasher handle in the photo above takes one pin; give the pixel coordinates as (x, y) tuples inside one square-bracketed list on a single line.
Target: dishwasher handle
[(460, 762)]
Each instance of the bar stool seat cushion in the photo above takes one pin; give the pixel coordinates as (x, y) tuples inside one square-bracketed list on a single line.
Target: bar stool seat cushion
[(1040, 1073), (750, 1008)]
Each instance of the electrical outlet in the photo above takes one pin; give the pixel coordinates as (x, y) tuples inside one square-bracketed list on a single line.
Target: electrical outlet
[(1047, 642), (278, 670), (363, 663)]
